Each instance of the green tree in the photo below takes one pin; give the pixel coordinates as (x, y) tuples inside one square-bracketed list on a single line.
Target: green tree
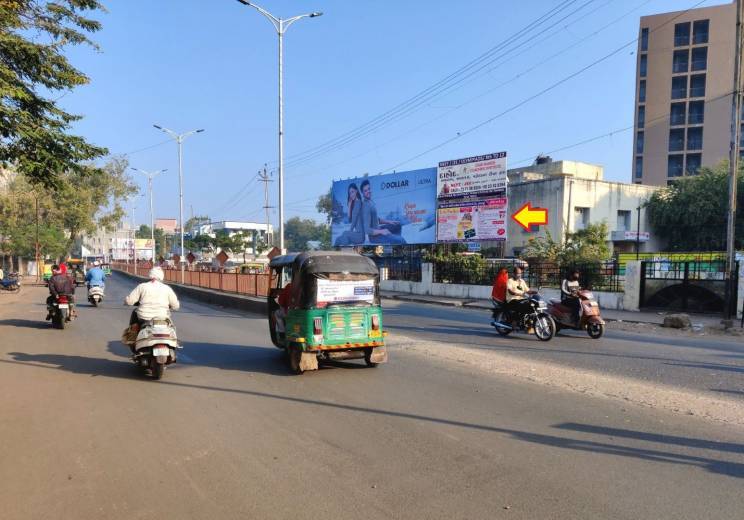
[(35, 133), (691, 213), (325, 206), (588, 245), (298, 232)]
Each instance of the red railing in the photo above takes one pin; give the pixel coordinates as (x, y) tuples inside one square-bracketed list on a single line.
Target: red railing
[(248, 284)]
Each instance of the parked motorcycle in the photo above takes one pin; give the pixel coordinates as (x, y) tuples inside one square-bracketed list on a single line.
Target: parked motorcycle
[(62, 312), (11, 283), (537, 320), (589, 318), (156, 346), (95, 295)]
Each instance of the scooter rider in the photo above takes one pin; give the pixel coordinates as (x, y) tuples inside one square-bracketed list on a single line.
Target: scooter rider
[(570, 293), (155, 299), (60, 285), (95, 277)]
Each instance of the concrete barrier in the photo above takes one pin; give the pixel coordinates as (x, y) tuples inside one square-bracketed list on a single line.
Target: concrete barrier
[(251, 304)]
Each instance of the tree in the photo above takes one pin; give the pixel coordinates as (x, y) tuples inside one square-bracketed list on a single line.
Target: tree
[(325, 205), (588, 245), (35, 133), (298, 232), (195, 221), (691, 213)]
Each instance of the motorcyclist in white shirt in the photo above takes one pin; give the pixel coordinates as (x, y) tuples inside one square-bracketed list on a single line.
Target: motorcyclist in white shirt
[(155, 299)]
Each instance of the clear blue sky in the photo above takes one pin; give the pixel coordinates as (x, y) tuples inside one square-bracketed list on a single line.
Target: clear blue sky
[(193, 64)]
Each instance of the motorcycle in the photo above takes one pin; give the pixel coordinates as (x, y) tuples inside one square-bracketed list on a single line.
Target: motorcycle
[(155, 346), (12, 283), (538, 320), (95, 295), (62, 312), (589, 318)]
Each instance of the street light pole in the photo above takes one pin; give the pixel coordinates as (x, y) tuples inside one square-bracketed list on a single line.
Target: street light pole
[(281, 26), (179, 138), (733, 168), (150, 176)]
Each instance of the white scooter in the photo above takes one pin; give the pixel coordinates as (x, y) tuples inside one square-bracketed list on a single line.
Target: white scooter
[(95, 295), (156, 346)]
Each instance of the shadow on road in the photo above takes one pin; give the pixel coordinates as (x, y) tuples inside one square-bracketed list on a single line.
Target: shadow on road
[(604, 442), (28, 324), (709, 366)]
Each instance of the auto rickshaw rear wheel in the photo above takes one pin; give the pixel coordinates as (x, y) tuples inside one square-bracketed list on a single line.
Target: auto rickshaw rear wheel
[(294, 354)]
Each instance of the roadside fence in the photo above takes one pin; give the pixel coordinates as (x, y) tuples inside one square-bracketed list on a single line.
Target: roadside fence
[(237, 283)]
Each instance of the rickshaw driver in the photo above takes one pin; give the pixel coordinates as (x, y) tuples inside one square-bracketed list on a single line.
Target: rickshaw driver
[(283, 300)]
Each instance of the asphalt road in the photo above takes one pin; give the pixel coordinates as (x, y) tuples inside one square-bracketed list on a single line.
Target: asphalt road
[(229, 433), (706, 363)]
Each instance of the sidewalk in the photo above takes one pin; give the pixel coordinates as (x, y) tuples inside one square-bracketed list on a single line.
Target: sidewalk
[(655, 318)]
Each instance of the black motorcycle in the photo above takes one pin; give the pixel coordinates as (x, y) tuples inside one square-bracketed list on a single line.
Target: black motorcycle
[(533, 317)]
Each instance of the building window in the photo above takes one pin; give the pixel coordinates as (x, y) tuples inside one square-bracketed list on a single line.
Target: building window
[(697, 85), (695, 138), (696, 114), (681, 61), (641, 116), (644, 39), (639, 143), (581, 218), (677, 114), (642, 91), (643, 66), (676, 139), (674, 165), (623, 220), (682, 34), (679, 87), (699, 58), (638, 167), (700, 32), (694, 161)]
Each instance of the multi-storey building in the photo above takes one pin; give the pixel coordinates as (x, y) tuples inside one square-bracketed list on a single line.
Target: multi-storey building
[(684, 84)]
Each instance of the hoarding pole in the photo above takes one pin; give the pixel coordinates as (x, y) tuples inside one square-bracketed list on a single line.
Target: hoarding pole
[(733, 169)]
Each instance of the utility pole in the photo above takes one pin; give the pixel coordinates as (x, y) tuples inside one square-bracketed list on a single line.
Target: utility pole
[(264, 176), (733, 171), (150, 176)]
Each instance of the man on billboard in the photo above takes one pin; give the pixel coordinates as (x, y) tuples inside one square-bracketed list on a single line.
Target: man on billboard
[(378, 230)]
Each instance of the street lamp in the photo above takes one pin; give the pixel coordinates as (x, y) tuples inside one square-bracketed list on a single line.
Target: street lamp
[(179, 138), (281, 27), (150, 176)]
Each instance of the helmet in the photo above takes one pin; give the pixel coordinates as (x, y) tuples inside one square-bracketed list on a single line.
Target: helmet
[(156, 273), (96, 263)]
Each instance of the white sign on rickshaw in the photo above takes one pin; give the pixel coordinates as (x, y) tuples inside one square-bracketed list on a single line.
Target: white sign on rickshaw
[(330, 291)]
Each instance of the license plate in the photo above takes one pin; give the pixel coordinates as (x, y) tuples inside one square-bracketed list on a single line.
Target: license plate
[(163, 351), (63, 306)]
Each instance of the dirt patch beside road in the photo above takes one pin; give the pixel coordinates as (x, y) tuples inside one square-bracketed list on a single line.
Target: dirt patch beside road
[(588, 382)]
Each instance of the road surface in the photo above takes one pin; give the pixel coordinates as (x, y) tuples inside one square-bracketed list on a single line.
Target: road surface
[(230, 434)]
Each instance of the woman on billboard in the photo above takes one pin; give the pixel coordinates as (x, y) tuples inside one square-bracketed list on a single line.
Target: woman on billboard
[(355, 234)]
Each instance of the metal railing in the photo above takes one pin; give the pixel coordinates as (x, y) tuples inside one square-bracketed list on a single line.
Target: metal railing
[(603, 276), (237, 283)]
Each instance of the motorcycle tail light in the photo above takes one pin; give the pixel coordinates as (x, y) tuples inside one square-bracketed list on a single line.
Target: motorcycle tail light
[(62, 299), (318, 326), (375, 322)]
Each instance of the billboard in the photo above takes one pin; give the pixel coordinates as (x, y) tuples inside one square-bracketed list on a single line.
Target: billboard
[(484, 218), (392, 209), (472, 175)]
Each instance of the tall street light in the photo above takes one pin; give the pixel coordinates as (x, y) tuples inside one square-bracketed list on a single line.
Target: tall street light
[(281, 27), (179, 138), (150, 176)]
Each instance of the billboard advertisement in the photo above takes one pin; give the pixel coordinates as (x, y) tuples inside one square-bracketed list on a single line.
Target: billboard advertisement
[(484, 218), (472, 176), (392, 209)]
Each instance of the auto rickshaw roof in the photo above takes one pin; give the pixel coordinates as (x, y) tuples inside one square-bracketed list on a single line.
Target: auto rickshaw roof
[(313, 262)]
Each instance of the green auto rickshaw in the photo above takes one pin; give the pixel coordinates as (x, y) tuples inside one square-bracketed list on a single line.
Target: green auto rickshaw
[(325, 305), (106, 269)]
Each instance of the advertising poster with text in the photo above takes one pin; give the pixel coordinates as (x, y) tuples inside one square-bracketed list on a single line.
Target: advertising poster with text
[(481, 174), (387, 210), (473, 220)]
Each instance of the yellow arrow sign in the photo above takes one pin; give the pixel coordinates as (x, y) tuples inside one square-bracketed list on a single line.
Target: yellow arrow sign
[(528, 216)]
